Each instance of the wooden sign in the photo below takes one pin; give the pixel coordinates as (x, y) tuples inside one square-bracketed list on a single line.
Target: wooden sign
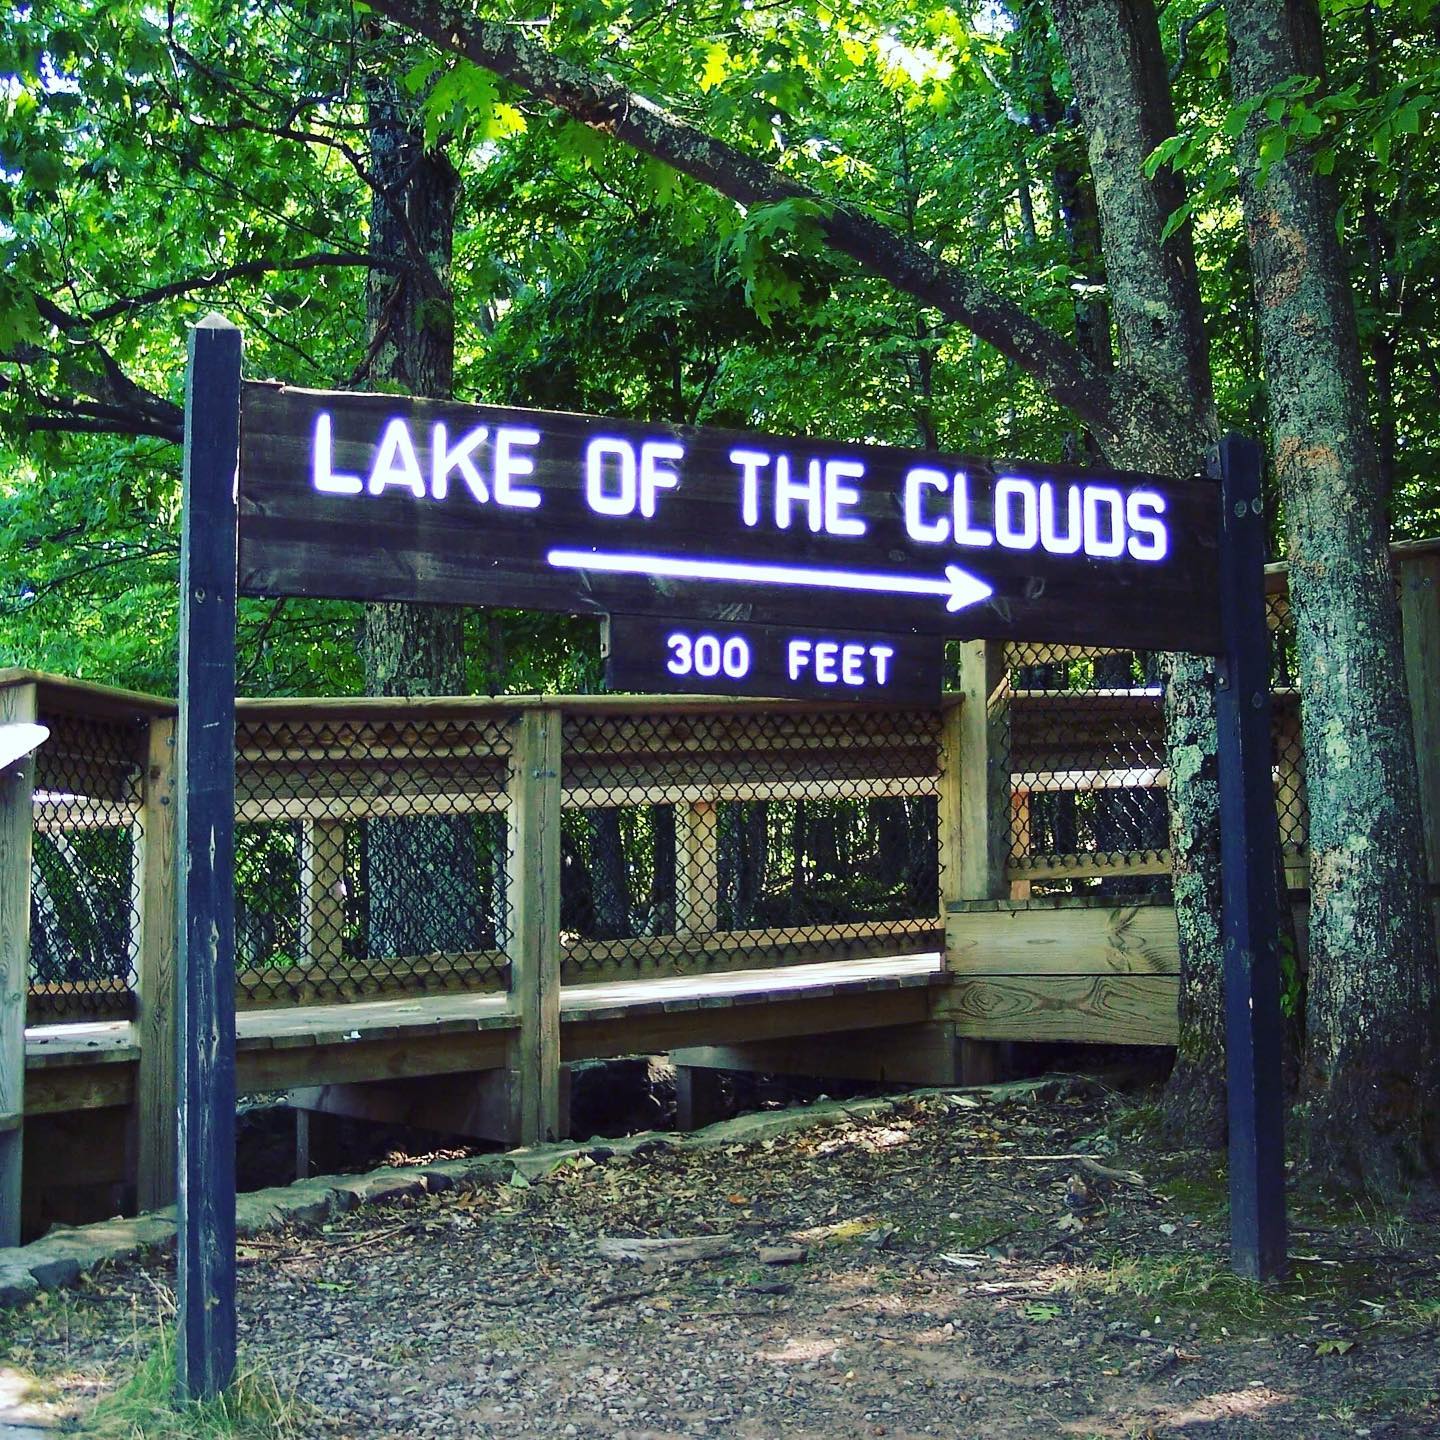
[(382, 497), (650, 653)]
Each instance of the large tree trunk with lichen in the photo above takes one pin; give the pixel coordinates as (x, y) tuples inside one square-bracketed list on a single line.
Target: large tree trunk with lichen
[(1117, 67), (421, 873), (1371, 1069)]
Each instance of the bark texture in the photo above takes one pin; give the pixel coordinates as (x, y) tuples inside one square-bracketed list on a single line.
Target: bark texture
[(1117, 67), (1371, 1008), (413, 649)]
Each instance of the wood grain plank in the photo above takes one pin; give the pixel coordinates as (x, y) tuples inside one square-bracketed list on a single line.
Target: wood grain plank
[(1121, 940), (1098, 1009), (155, 997), (533, 887)]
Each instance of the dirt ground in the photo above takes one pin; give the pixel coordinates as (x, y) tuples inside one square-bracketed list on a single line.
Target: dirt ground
[(944, 1268)]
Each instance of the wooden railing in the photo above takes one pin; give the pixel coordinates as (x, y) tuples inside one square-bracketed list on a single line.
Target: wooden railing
[(1042, 939)]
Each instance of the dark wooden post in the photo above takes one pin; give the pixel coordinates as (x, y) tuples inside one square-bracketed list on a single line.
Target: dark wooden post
[(17, 824), (205, 928), (1247, 869)]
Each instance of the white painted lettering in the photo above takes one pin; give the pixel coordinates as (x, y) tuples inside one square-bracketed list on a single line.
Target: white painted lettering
[(1104, 546), (602, 500), (838, 495), (445, 457), (510, 467), (1050, 538), (965, 532), (749, 462), (809, 490), (653, 474), (395, 462), (1151, 539), (917, 526), (326, 479), (1017, 513)]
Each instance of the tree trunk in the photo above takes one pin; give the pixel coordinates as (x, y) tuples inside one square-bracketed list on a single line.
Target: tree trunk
[(1118, 70), (1371, 1068), (1154, 411), (413, 649)]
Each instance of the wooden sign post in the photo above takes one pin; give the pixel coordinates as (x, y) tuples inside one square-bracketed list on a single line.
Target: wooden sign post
[(722, 560), (205, 857), (1248, 836)]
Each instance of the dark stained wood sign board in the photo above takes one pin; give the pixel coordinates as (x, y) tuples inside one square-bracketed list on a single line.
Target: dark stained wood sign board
[(652, 653), (377, 497)]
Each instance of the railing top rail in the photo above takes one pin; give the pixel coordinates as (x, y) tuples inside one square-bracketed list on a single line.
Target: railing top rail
[(85, 697), (1277, 575)]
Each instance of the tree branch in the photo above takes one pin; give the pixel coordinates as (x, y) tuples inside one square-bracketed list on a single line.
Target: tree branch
[(1112, 405), (1183, 36), (247, 270)]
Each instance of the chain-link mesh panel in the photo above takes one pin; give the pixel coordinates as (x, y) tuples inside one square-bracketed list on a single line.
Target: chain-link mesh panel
[(1291, 806), (84, 903), (699, 840), (1087, 772), (370, 857)]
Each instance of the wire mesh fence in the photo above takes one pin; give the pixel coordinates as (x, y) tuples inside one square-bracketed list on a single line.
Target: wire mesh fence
[(1086, 742), (84, 895), (370, 856), (697, 840), (1087, 772), (374, 857)]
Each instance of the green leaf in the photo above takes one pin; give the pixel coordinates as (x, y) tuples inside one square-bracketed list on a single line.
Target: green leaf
[(716, 66)]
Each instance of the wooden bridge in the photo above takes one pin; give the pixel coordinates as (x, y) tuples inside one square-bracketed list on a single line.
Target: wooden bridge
[(443, 904)]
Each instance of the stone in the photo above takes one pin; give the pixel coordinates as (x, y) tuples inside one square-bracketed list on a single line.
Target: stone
[(382, 1187), (255, 1213), (53, 1266), (125, 1237), (17, 1285), (781, 1255)]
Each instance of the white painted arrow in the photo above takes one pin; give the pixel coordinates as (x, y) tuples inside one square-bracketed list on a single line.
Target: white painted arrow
[(959, 588), (18, 739)]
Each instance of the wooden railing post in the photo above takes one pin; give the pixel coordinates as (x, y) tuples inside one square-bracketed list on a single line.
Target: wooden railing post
[(533, 882), (697, 867), (17, 788), (322, 891), (155, 1089), (975, 805), (975, 809), (1420, 620)]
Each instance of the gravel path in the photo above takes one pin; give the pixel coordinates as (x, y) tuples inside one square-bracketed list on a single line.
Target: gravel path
[(909, 1274)]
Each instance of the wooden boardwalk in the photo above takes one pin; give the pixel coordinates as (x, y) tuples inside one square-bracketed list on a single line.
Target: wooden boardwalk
[(93, 1065), (834, 891)]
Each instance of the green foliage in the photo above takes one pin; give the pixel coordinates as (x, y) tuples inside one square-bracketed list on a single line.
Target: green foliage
[(145, 152)]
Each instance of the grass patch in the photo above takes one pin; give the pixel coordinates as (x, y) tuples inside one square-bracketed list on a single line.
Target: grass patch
[(1202, 1288), (144, 1407)]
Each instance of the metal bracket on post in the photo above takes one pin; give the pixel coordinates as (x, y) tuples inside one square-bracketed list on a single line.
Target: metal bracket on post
[(205, 860), (1248, 828)]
